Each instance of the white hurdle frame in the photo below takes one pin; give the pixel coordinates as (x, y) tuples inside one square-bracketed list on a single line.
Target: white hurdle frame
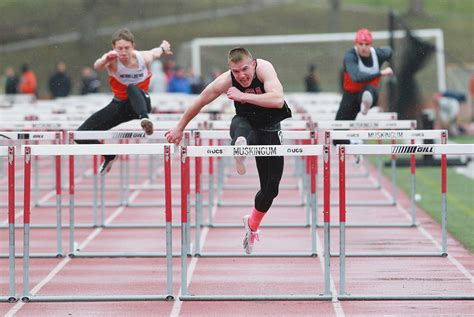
[(124, 179), (312, 151), (443, 149), (56, 138), (393, 136), (9, 152), (97, 149), (364, 125), (32, 136), (211, 135)]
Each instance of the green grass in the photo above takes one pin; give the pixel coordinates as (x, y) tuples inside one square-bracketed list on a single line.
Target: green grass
[(460, 199), (464, 139)]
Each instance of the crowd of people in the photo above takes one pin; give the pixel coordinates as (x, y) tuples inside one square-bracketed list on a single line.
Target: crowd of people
[(167, 77)]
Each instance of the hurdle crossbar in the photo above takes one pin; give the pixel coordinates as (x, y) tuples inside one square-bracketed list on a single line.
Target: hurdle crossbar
[(443, 150)]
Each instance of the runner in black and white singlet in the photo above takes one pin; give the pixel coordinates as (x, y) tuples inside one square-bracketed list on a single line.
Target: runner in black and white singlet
[(257, 93)]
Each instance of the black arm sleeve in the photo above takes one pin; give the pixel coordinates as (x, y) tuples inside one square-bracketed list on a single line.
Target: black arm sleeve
[(384, 54)]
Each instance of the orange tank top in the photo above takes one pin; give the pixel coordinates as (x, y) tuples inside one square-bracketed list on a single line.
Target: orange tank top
[(125, 76)]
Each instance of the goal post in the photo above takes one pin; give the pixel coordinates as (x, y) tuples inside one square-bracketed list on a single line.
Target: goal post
[(325, 49)]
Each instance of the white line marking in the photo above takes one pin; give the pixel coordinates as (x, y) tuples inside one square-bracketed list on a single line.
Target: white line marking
[(66, 260), (335, 303), (423, 231), (175, 311)]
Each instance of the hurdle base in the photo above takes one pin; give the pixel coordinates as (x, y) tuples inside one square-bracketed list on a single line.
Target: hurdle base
[(9, 299), (404, 297), (392, 254), (321, 297), (255, 255), (98, 298)]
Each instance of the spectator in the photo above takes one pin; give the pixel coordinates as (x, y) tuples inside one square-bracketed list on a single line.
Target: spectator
[(59, 82), (179, 82), (215, 72), (11, 81), (28, 83), (197, 83), (89, 81), (311, 79)]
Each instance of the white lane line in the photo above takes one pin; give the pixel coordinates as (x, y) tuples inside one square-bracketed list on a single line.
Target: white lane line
[(335, 303), (424, 232), (42, 200), (175, 311), (66, 260)]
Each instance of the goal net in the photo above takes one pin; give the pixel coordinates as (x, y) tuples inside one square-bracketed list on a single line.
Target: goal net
[(292, 54)]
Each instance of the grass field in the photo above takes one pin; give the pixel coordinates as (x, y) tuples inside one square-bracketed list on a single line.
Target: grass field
[(460, 196)]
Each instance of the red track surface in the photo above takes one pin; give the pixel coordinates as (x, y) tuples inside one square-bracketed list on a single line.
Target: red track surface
[(238, 275)]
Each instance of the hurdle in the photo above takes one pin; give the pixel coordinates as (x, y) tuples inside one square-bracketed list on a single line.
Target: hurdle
[(9, 153), (443, 150), (393, 136), (225, 125), (72, 151), (56, 138), (211, 135), (364, 125), (124, 172), (311, 151), (25, 137), (279, 150)]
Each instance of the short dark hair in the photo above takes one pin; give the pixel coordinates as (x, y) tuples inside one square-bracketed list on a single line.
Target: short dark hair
[(237, 54), (123, 34)]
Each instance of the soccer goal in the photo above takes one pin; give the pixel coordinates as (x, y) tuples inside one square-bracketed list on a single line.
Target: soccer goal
[(292, 54)]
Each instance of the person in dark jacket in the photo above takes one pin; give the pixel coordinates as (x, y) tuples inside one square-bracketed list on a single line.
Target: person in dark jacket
[(59, 82)]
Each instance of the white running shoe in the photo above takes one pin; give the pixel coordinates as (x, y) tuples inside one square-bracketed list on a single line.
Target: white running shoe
[(366, 103), (240, 160), (147, 126), (250, 236), (107, 165)]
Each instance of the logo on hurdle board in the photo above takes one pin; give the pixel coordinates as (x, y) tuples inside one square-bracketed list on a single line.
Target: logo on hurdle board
[(399, 149), (128, 135), (385, 134), (353, 135), (4, 136), (297, 150), (255, 151), (418, 134), (215, 151), (364, 124)]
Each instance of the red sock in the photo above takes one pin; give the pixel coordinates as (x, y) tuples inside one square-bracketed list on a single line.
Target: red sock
[(255, 219)]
